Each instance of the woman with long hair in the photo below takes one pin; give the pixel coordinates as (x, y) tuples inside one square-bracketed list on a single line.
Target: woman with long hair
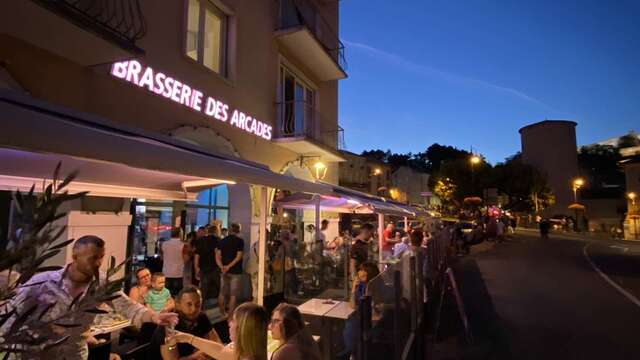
[(296, 342), (248, 333)]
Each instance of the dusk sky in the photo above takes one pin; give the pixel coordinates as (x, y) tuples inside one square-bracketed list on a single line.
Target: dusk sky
[(471, 73)]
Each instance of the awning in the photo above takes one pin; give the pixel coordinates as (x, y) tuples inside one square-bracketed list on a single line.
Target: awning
[(344, 200), (115, 160), (327, 203), (379, 204)]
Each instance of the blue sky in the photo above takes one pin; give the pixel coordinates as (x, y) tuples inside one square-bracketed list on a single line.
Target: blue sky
[(472, 72)]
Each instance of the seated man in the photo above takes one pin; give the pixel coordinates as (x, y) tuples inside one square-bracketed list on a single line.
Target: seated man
[(191, 320)]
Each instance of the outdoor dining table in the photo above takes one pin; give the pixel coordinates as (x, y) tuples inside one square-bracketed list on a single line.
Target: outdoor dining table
[(326, 312)]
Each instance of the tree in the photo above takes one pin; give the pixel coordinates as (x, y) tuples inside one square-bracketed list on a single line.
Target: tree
[(469, 179), (599, 163), (376, 155), (445, 189), (398, 160), (526, 186), (419, 162), (437, 154), (628, 140)]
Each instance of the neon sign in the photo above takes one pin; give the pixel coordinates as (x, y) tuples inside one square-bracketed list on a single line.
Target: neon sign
[(161, 84)]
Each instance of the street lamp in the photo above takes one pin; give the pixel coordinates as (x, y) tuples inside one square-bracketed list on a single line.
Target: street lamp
[(474, 160), (632, 213), (377, 171), (577, 184)]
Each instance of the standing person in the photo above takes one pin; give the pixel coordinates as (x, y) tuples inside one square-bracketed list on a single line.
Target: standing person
[(229, 259), (191, 320), (174, 255), (359, 252), (324, 225), (544, 228), (188, 273), (366, 272), (321, 241), (388, 240), (137, 292), (60, 291), (284, 259), (296, 342), (499, 230), (207, 272), (402, 245), (248, 333)]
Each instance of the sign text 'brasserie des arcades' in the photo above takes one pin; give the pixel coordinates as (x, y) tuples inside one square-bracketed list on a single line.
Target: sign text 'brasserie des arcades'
[(161, 84)]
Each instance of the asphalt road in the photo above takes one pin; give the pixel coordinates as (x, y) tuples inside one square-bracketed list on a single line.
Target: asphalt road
[(544, 299)]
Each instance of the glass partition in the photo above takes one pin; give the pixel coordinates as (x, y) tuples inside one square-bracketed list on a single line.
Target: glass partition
[(301, 268), (396, 303)]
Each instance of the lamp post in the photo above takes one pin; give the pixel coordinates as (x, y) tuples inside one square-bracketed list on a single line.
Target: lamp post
[(577, 184), (632, 196), (375, 180), (474, 160)]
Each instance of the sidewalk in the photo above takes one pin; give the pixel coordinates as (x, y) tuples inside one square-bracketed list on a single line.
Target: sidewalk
[(568, 235)]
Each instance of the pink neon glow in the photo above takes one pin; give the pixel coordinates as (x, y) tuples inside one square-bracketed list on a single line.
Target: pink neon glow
[(161, 84)]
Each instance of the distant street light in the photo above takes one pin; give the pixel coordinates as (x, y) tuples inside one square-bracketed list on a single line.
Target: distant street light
[(474, 160), (632, 212), (577, 184), (377, 171)]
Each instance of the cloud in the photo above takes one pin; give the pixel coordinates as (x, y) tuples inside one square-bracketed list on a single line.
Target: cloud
[(430, 71)]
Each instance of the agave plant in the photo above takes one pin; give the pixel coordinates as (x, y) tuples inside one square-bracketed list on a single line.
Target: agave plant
[(34, 239)]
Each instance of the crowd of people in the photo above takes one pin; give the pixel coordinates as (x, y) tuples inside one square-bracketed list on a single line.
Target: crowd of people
[(210, 258), (174, 323), (166, 307)]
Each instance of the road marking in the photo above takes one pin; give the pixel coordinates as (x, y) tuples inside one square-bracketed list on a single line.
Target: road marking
[(624, 292), (623, 248)]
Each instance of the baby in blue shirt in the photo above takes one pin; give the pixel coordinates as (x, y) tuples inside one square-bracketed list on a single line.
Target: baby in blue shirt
[(158, 297)]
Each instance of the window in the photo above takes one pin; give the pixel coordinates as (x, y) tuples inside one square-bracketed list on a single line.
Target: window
[(206, 35), (297, 109), (211, 204)]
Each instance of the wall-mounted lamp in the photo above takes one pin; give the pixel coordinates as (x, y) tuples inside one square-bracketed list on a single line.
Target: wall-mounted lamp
[(320, 170), (394, 193)]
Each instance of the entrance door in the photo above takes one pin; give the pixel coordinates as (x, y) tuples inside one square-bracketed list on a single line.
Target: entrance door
[(152, 224)]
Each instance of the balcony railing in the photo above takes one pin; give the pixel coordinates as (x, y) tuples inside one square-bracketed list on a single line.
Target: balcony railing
[(119, 21), (299, 119), (335, 138), (295, 13)]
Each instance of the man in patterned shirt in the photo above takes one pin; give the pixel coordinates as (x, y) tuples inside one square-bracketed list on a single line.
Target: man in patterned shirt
[(59, 288)]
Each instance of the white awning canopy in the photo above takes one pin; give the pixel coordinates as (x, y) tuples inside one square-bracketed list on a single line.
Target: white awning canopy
[(344, 200), (114, 160)]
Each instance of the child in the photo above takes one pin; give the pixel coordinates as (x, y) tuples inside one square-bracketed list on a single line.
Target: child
[(158, 297)]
